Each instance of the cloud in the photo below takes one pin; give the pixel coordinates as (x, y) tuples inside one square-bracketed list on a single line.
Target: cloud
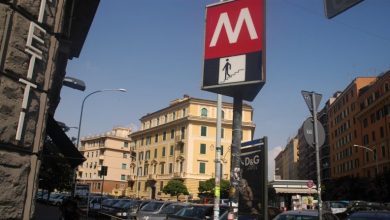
[(272, 153)]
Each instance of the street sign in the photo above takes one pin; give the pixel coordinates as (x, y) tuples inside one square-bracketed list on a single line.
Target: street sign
[(310, 184), (335, 7), (308, 132), (234, 54), (307, 96)]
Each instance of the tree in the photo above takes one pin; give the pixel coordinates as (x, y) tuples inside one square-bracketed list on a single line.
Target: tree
[(55, 171), (206, 188), (175, 188)]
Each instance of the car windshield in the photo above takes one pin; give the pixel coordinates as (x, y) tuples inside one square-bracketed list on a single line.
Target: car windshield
[(121, 203), (172, 208), (152, 206), (193, 211)]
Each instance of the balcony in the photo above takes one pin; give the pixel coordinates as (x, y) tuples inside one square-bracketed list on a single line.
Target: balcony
[(152, 177), (101, 157), (179, 139), (131, 177), (179, 175)]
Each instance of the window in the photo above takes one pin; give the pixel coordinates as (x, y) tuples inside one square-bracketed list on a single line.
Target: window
[(163, 151), (202, 167), (203, 131), (162, 168), (164, 135), (141, 156), (123, 177), (202, 148), (171, 151), (173, 115), (124, 166), (147, 155), (156, 138), (183, 132), (222, 133), (170, 168), (155, 153), (124, 155), (203, 112), (161, 185), (184, 112), (222, 150), (222, 114), (383, 151), (172, 133), (126, 144), (146, 169)]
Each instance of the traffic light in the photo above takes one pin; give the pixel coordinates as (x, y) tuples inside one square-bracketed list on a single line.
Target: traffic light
[(103, 172)]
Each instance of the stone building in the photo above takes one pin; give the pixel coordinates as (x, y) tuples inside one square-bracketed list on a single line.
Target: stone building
[(179, 142), (37, 37)]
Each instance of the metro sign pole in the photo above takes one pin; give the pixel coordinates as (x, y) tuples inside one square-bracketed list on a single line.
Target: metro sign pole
[(234, 66)]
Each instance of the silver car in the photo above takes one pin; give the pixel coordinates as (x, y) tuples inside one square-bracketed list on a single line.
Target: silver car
[(151, 209)]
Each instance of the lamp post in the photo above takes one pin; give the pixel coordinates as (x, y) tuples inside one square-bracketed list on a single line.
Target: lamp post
[(81, 117), (82, 108), (376, 159)]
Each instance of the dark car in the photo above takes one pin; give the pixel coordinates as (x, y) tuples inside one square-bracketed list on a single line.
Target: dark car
[(152, 208), (167, 210), (198, 211), (367, 215), (305, 215)]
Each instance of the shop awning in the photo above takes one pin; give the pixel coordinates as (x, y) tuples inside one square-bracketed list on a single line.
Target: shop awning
[(296, 190), (64, 144)]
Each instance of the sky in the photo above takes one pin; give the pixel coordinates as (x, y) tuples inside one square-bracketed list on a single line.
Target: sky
[(154, 49)]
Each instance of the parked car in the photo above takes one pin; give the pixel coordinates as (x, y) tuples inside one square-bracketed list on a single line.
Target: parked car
[(198, 211), (151, 208), (305, 215), (107, 207), (169, 209), (368, 215), (57, 199), (336, 206)]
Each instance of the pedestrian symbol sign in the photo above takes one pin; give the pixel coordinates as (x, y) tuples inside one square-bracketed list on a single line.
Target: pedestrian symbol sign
[(232, 69), (234, 48)]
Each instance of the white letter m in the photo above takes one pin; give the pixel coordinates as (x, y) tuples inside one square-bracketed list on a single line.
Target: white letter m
[(233, 34)]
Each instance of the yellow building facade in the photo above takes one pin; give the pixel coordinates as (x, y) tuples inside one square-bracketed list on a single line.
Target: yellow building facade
[(178, 142)]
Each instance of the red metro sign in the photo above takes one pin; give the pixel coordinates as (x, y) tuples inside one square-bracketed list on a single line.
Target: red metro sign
[(234, 48)]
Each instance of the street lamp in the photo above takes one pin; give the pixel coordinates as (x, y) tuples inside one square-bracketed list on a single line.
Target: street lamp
[(375, 156), (82, 108), (81, 117)]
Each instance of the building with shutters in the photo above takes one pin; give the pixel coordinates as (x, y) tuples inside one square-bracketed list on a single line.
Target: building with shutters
[(179, 142)]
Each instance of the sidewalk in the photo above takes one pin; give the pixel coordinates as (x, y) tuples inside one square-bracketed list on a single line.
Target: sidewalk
[(49, 212)]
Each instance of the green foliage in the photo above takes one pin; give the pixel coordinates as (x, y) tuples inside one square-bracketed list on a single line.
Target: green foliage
[(206, 188), (55, 172), (175, 188), (358, 188)]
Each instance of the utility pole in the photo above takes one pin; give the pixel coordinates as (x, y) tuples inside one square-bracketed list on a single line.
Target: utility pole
[(217, 189), (235, 173)]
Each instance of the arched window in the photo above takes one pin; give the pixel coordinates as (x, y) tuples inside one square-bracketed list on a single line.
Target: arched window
[(203, 112), (223, 114)]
